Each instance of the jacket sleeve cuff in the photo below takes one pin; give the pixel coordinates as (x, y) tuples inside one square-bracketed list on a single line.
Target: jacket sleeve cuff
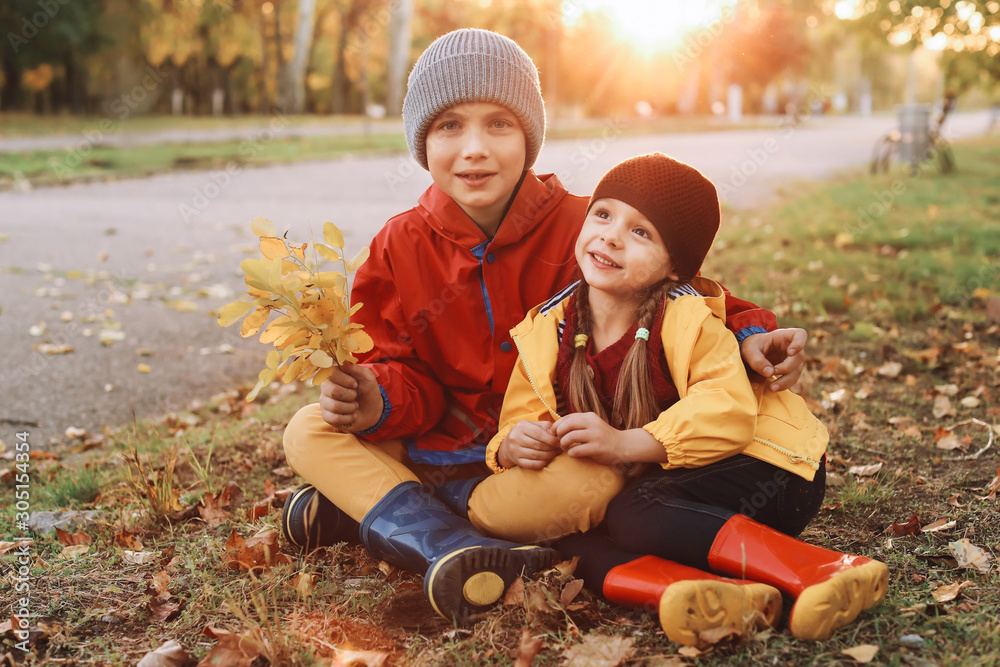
[(386, 409), (493, 451), (746, 332)]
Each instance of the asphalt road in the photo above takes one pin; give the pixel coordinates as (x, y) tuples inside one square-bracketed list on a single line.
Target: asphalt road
[(145, 263)]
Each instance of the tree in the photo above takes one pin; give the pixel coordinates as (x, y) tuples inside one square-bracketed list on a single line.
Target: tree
[(294, 75), (400, 26)]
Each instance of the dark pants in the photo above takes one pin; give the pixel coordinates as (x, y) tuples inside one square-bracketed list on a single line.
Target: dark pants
[(676, 514)]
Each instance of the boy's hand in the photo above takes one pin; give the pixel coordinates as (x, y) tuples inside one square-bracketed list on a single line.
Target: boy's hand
[(584, 434), (529, 445), (778, 353), (350, 399)]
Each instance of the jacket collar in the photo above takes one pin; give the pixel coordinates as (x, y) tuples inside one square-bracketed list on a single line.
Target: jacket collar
[(537, 196)]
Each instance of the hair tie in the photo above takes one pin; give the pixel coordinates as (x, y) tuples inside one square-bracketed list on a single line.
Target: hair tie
[(642, 333), (580, 340)]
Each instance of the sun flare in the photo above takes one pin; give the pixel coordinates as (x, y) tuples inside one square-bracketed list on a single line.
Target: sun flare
[(658, 26)]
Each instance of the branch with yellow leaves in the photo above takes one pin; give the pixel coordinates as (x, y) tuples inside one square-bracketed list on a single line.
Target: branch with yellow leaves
[(313, 331)]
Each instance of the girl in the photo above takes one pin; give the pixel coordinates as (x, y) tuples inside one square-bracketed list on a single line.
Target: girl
[(638, 353)]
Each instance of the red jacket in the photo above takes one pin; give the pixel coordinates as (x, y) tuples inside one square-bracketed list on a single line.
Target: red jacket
[(440, 301)]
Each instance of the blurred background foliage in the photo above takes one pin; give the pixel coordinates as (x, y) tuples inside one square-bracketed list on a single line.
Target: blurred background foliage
[(596, 57)]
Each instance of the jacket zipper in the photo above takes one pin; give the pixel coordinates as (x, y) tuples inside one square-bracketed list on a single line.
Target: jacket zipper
[(792, 456), (531, 378)]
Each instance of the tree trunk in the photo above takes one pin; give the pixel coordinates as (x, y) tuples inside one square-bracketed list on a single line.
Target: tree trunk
[(294, 79), (400, 24), (12, 96), (340, 86)]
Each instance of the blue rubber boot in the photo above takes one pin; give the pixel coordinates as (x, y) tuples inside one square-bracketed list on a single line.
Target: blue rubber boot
[(456, 493), (465, 573), (310, 521)]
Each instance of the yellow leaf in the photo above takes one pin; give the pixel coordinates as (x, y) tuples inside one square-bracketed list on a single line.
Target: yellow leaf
[(332, 235), (273, 358), (256, 271), (355, 308), (274, 329), (358, 260), (864, 653), (327, 252), (273, 248), (294, 369), (321, 376), (288, 267), (328, 279), (254, 321), (299, 250), (234, 311), (262, 227), (144, 368), (362, 340), (320, 359)]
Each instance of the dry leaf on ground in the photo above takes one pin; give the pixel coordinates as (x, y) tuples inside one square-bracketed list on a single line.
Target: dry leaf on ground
[(74, 551), (528, 649), (599, 651), (969, 555), (865, 471), (68, 540), (515, 594), (349, 658), (940, 524), (911, 527), (259, 553), (949, 592), (864, 653), (170, 654), (232, 650), (570, 591)]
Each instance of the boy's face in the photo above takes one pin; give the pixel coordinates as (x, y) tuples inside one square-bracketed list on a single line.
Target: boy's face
[(620, 252), (476, 153)]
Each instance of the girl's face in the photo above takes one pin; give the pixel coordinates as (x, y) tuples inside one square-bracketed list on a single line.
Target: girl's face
[(620, 252)]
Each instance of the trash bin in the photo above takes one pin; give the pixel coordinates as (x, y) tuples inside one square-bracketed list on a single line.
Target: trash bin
[(914, 130)]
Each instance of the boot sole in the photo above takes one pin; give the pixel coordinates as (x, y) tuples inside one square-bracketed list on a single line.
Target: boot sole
[(467, 583), (688, 608), (823, 608)]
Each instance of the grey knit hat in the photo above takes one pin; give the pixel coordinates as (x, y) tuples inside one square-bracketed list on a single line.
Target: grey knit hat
[(473, 65)]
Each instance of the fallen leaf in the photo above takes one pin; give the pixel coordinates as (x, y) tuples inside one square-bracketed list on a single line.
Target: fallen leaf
[(947, 389), (969, 402), (949, 592), (599, 651), (953, 501), (170, 654), (721, 634), (515, 594), (232, 650), (350, 658), (690, 651), (969, 555), (304, 583), (258, 553), (74, 432), (528, 649), (865, 471), (164, 608), (138, 557), (211, 512), (143, 368), (948, 442), (890, 369), (864, 653), (8, 546), (126, 539), (911, 527), (68, 540), (159, 583), (50, 348), (570, 591), (942, 407), (74, 551), (940, 524)]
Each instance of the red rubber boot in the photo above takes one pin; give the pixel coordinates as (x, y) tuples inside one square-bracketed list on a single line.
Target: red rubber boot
[(691, 601), (830, 588)]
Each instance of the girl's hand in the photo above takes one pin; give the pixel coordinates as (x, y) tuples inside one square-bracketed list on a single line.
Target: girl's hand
[(584, 434), (776, 354), (350, 399), (529, 445)]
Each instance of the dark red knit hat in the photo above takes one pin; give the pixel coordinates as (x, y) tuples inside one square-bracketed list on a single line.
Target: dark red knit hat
[(682, 204)]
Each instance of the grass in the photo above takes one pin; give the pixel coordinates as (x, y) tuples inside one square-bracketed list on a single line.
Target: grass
[(871, 298)]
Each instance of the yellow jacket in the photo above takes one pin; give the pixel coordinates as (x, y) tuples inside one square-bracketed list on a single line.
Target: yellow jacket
[(719, 414)]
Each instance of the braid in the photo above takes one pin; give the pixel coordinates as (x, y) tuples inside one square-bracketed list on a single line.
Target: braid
[(635, 401), (583, 395)]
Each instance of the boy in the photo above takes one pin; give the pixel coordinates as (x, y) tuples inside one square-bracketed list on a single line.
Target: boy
[(445, 283)]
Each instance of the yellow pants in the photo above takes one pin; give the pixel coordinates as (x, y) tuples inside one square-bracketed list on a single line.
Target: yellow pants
[(567, 496)]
